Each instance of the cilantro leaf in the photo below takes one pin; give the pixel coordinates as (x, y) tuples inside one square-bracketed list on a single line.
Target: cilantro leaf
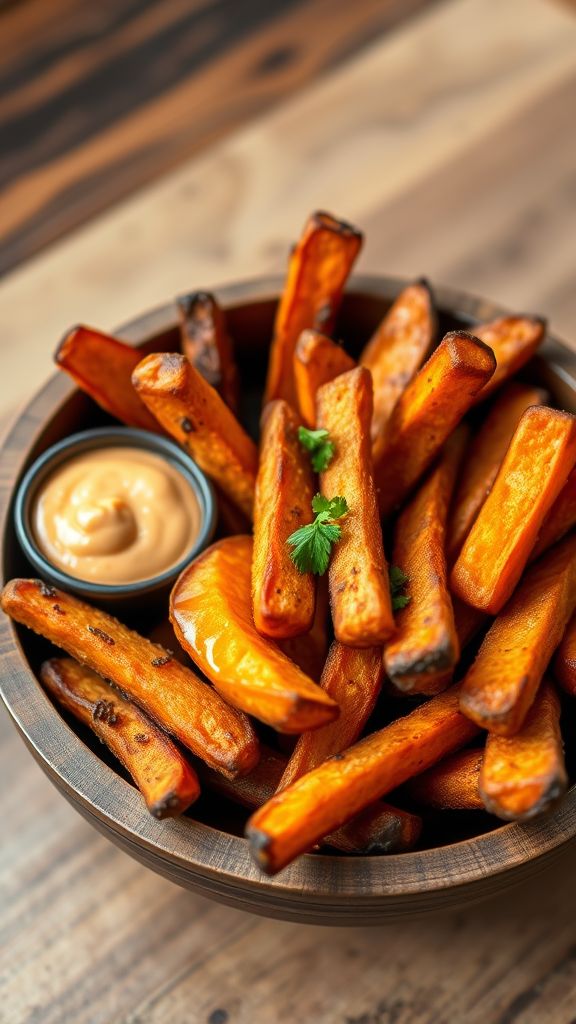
[(398, 580), (318, 443), (312, 544)]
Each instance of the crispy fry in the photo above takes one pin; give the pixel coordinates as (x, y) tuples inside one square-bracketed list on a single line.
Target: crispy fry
[(167, 782), (211, 611), (523, 775), (321, 801), (451, 785), (195, 415), (317, 273), (282, 598), (358, 574), (492, 560), (317, 360), (560, 518), (353, 678), (513, 340), (102, 367), (484, 459), (502, 683), (427, 412), (421, 657), (397, 350), (171, 694), (309, 650), (206, 343), (565, 659)]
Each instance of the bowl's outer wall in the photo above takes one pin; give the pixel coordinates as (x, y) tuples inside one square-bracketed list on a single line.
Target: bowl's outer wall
[(317, 889)]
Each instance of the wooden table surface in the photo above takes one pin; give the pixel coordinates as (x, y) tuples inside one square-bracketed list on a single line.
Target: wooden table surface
[(448, 136)]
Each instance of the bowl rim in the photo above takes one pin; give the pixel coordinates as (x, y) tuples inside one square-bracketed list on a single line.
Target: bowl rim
[(203, 852)]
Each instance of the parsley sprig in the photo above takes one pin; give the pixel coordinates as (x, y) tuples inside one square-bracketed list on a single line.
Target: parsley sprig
[(398, 580), (312, 544), (318, 443)]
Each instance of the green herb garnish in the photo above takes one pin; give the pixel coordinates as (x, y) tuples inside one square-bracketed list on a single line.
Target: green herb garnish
[(398, 580), (318, 443), (312, 544)]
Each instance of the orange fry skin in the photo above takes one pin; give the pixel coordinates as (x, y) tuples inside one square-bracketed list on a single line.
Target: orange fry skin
[(211, 612), (524, 775), (172, 695), (427, 412), (397, 350), (560, 518), (358, 573), (353, 678), (318, 269), (282, 598), (420, 658), (206, 343), (322, 800), (167, 782), (309, 650), (492, 560), (514, 340), (565, 659), (102, 366), (485, 457), (451, 785), (194, 414), (317, 360), (501, 684)]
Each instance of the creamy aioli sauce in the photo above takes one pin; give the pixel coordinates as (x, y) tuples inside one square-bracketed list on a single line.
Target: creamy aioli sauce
[(116, 515)]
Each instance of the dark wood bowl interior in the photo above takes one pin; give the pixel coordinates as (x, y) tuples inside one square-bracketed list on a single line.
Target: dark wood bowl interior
[(462, 856)]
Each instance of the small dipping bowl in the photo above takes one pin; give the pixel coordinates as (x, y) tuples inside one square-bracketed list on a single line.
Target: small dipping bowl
[(143, 592)]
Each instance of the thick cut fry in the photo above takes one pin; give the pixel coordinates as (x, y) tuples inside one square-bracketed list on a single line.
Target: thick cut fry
[(321, 801), (397, 350), (358, 574), (195, 415), (468, 621), (317, 273), (282, 598), (560, 518), (206, 343), (421, 657), (309, 650), (171, 694), (492, 560), (102, 367), (353, 678), (317, 360), (513, 340), (211, 611), (502, 683), (523, 775), (484, 459), (167, 782), (451, 785), (427, 412), (565, 659)]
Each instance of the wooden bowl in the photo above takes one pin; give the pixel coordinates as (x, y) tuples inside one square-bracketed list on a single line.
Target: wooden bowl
[(205, 851)]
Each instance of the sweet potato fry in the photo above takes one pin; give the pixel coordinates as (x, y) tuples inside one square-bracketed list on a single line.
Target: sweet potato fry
[(420, 658), (468, 621), (451, 785), (495, 552), (565, 659), (195, 415), (560, 518), (206, 343), (427, 412), (523, 775), (317, 360), (171, 694), (282, 598), (323, 799), (211, 611), (484, 459), (358, 574), (502, 683), (309, 650), (167, 782), (102, 367), (353, 678), (513, 340), (397, 350), (318, 269)]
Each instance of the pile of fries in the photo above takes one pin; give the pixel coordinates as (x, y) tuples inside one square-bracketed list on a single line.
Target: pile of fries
[(429, 451)]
